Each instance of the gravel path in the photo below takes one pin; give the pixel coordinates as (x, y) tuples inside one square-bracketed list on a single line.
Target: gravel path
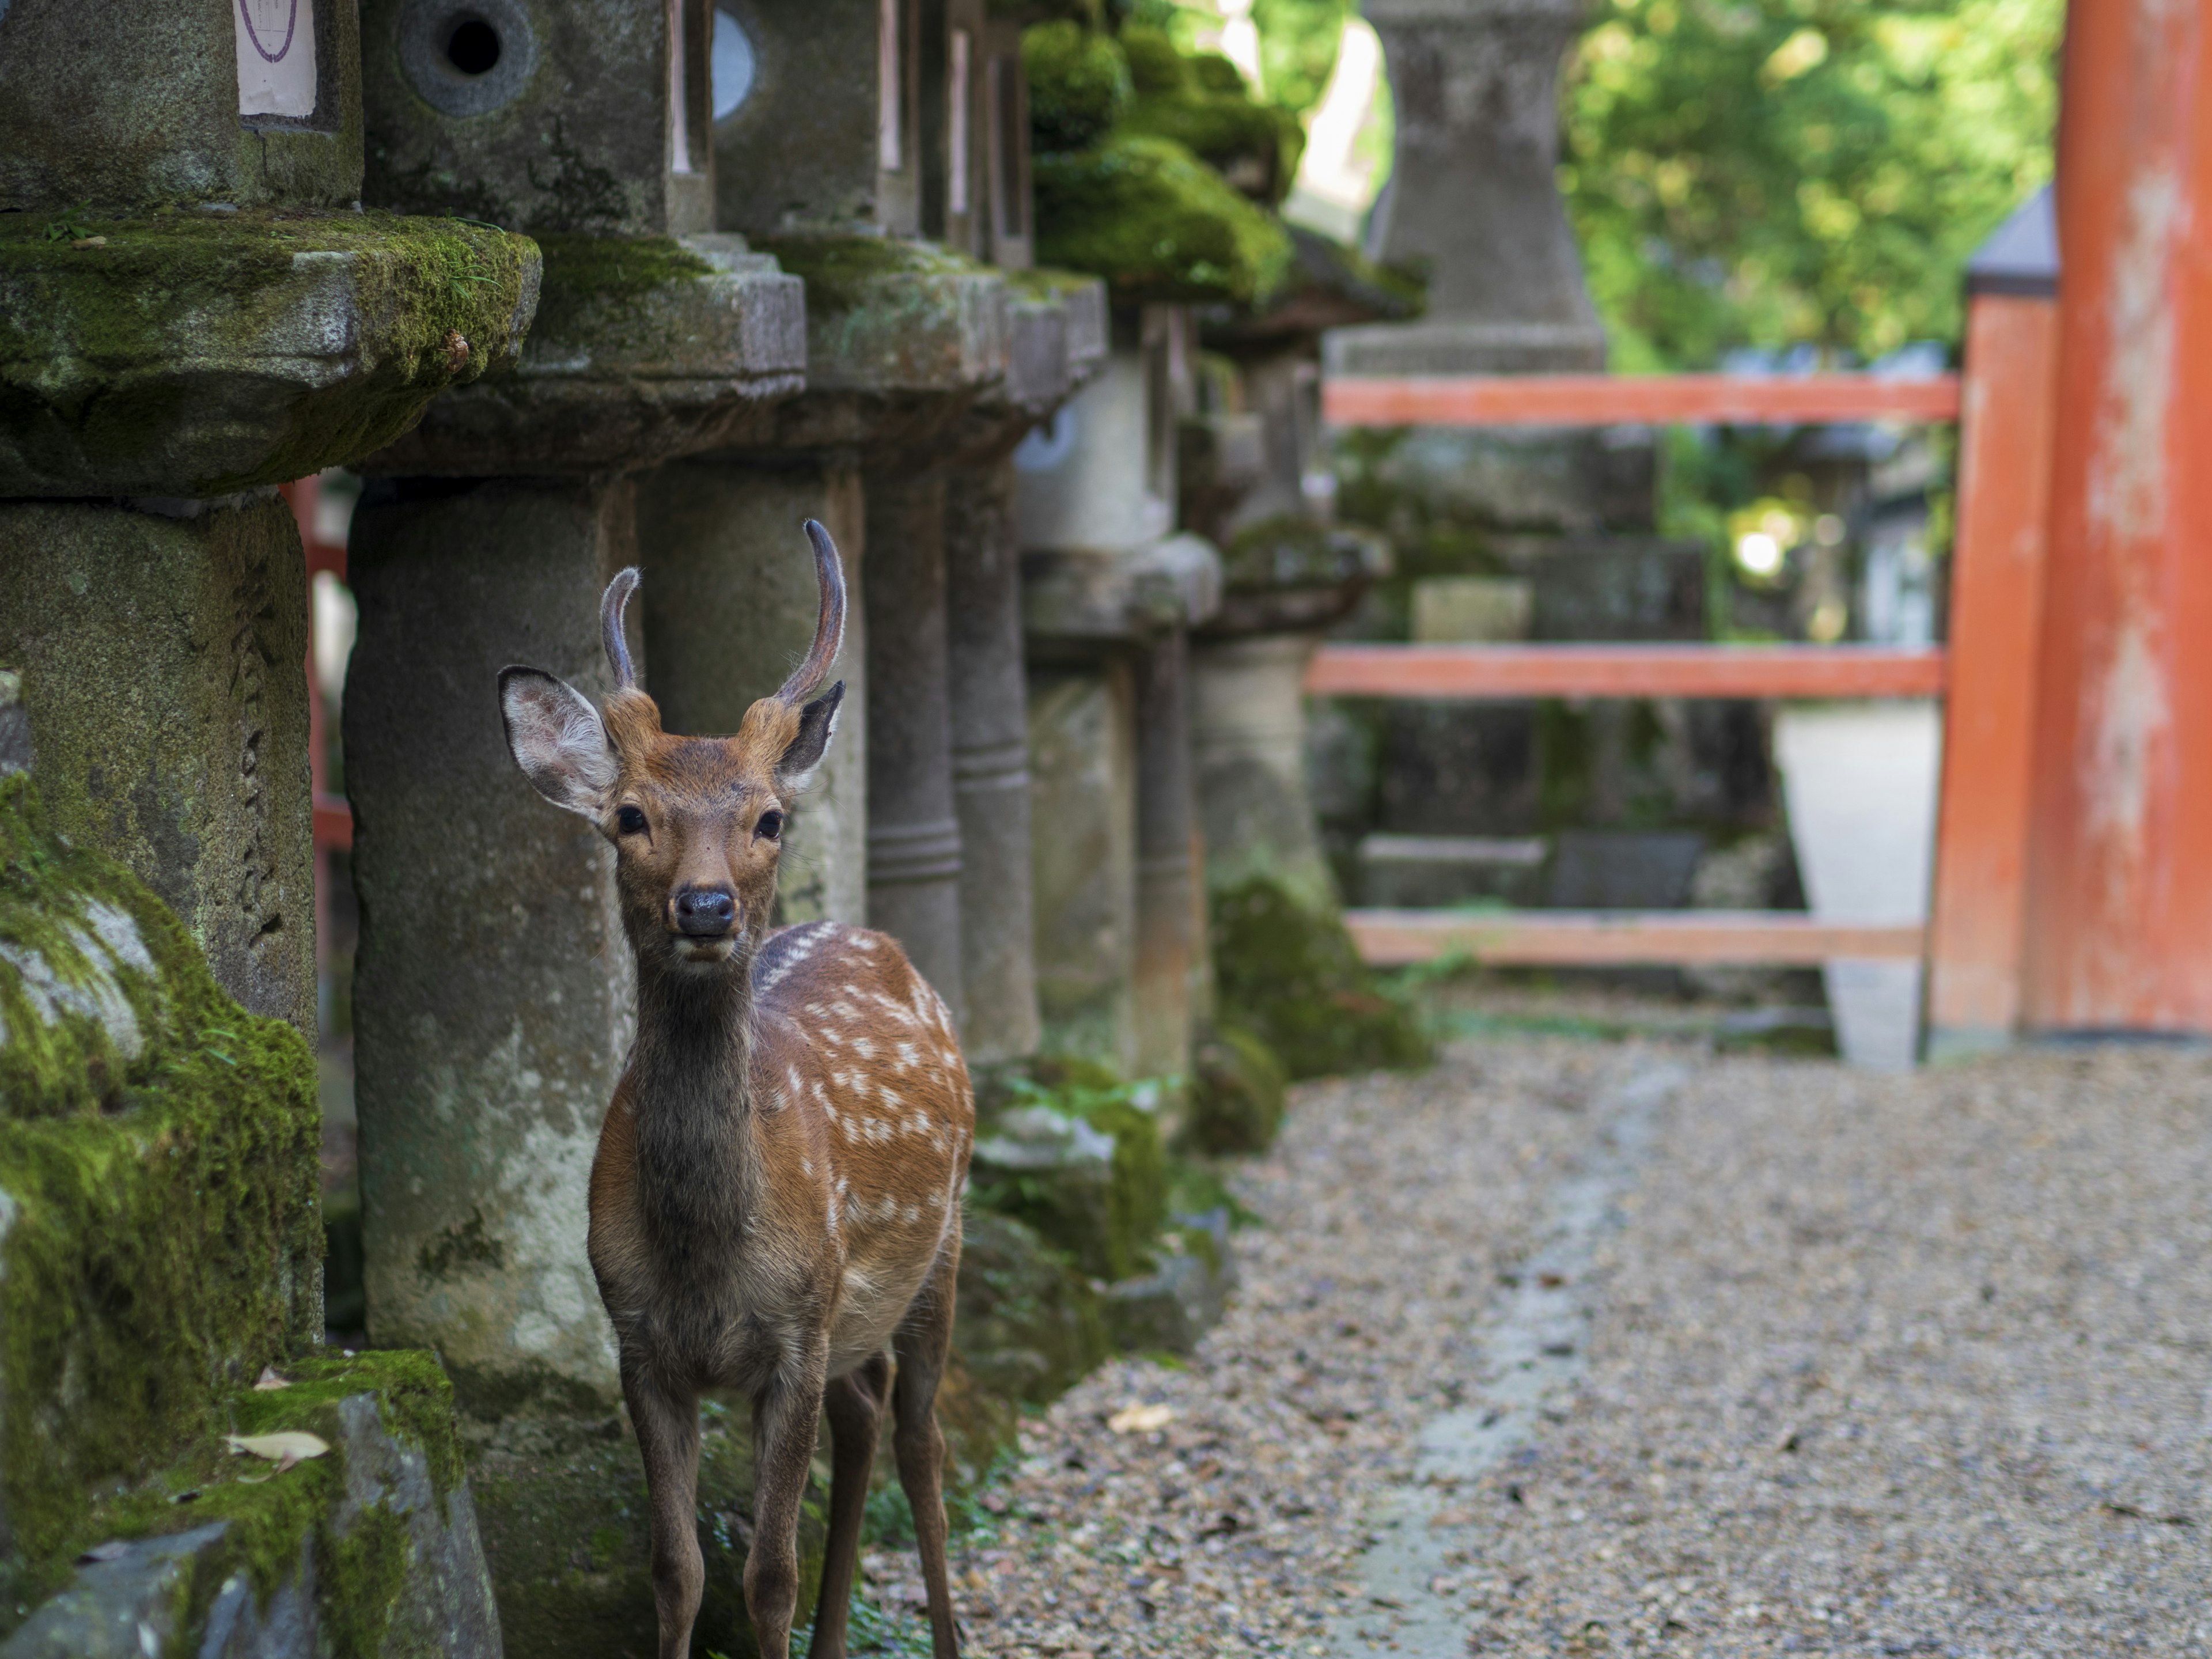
[(1873, 1366)]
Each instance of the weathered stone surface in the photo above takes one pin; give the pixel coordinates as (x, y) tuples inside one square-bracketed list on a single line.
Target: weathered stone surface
[(990, 765), (96, 108), (1083, 810), (815, 145), (1098, 479), (578, 123), (201, 353), (563, 1508), (729, 605), (492, 1003), (1248, 750), (643, 348), (1026, 1326), (1168, 917), (1101, 593), (162, 667), (1169, 1308), (915, 854), (131, 1605)]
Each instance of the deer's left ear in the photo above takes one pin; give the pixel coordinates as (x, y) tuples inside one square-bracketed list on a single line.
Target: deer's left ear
[(802, 756)]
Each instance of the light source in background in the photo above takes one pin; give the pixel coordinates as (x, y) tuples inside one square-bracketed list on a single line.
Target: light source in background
[(1337, 180), (1761, 537), (731, 65)]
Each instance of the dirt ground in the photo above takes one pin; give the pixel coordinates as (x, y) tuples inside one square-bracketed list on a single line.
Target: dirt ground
[(1582, 1347)]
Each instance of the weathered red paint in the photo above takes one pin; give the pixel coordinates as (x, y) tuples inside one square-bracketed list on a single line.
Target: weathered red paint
[(2119, 922), (1609, 399), (1989, 719)]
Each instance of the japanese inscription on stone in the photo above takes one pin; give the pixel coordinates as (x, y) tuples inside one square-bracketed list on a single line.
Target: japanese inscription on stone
[(276, 57)]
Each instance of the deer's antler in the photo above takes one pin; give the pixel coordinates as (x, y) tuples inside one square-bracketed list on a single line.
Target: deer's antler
[(828, 630), (612, 604)]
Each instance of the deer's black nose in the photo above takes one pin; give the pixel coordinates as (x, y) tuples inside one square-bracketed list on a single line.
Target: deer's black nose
[(706, 912)]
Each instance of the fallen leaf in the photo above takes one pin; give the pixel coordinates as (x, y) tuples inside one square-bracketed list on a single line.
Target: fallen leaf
[(1141, 1420), (1452, 1518), (271, 1380), (107, 1552), (284, 1448)]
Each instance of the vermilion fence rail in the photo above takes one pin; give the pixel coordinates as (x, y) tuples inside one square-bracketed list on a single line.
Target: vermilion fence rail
[(1618, 399), (1612, 939), (1622, 670)]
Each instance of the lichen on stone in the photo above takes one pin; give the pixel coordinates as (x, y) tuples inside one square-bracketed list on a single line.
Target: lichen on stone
[(163, 1243)]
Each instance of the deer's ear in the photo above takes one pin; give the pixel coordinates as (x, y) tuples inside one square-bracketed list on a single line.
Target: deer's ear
[(556, 739), (802, 756)]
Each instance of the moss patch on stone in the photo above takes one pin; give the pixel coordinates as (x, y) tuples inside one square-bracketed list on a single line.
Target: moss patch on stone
[(1290, 974), (277, 1516), (845, 272), (159, 1240), (592, 283), (113, 343), (1079, 85), (1201, 103), (1235, 1098), (1157, 224)]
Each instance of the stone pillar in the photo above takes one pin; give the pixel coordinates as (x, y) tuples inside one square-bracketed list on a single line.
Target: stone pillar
[(914, 830), (1248, 738), (1167, 938), (161, 655), (729, 604), (1474, 83), (990, 764), (492, 1005), (173, 354)]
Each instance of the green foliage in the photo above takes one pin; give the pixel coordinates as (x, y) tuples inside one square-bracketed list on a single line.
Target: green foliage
[(1079, 84), (1771, 172), (1289, 973), (1157, 224)]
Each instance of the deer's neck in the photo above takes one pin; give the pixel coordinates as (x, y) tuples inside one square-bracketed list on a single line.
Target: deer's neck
[(696, 1167)]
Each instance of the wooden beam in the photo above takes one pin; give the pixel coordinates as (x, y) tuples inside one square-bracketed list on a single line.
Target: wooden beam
[(333, 822), (1622, 670), (1978, 929), (1641, 399), (1617, 939)]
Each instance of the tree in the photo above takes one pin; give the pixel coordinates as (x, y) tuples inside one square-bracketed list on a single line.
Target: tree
[(1768, 173)]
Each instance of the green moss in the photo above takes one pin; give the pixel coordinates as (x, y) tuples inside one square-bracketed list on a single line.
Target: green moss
[(844, 272), (1155, 64), (1293, 550), (1291, 974), (1236, 1102), (275, 1517), (592, 283), (1255, 146), (1079, 82), (101, 347), (161, 1240), (1157, 224)]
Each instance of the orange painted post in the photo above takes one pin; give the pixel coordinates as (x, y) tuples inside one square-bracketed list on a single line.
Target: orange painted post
[(1979, 913), (1476, 672), (1613, 399), (2119, 918)]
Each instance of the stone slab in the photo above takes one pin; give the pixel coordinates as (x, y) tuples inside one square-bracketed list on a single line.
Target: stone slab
[(197, 353), (644, 349)]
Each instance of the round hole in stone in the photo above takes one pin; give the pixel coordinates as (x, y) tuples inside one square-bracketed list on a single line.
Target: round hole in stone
[(473, 46), (731, 63)]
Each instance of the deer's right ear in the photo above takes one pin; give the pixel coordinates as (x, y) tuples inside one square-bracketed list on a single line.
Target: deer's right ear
[(557, 741)]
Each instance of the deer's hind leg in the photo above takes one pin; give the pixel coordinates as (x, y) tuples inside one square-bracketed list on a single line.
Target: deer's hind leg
[(922, 1342), (855, 1405)]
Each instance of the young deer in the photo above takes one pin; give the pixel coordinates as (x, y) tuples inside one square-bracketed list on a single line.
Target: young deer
[(776, 1197)]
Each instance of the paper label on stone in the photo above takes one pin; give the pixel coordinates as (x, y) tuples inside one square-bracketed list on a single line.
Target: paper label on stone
[(276, 57), (955, 140), (890, 116)]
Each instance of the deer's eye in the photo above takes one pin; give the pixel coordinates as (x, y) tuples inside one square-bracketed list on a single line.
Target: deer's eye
[(629, 821), (771, 826)]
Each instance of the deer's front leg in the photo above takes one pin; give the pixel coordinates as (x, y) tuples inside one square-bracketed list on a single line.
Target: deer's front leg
[(667, 1424), (785, 1415)]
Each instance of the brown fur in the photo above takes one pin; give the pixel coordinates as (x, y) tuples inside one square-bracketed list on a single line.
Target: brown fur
[(775, 1201)]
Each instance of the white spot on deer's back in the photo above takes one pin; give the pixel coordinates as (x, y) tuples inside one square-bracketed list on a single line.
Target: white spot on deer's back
[(863, 1047), (908, 1054)]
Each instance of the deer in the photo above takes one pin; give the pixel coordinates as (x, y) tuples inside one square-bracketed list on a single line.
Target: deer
[(775, 1198)]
